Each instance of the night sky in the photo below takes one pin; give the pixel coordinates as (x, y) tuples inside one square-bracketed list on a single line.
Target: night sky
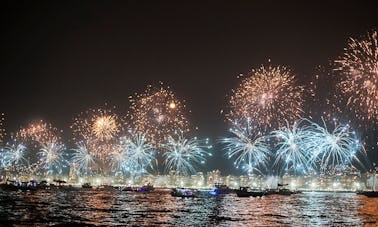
[(60, 58)]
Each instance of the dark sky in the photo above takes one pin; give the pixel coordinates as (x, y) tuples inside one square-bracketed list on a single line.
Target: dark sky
[(60, 57)]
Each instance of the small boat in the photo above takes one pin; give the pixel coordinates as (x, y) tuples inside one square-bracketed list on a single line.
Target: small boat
[(245, 192), (146, 188), (105, 187), (129, 189), (184, 192), (86, 185), (222, 189), (368, 193)]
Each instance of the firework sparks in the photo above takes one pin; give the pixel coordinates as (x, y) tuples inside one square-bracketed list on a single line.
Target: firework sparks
[(250, 148), (51, 155), (182, 154), (294, 148), (105, 127), (159, 114), (13, 154), (98, 129), (135, 154), (336, 148), (40, 132), (83, 159), (269, 97), (46, 139), (358, 67)]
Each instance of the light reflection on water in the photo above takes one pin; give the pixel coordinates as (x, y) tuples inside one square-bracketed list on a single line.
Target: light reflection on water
[(93, 207)]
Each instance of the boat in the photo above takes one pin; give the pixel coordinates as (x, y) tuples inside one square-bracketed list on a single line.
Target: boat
[(146, 188), (369, 193), (86, 185), (245, 192), (373, 192), (129, 189), (184, 192), (222, 189), (281, 190)]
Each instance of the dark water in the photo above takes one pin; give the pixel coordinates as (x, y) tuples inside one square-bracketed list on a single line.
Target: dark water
[(159, 208)]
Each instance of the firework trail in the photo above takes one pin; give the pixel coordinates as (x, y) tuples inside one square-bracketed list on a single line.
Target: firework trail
[(269, 97), (2, 130)]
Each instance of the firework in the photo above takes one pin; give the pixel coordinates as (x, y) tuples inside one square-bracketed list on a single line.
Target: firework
[(135, 154), (250, 148), (159, 114), (47, 141), (335, 149), (269, 97), (40, 132), (13, 154), (83, 159), (358, 67), (295, 144), (52, 157), (182, 154), (99, 130)]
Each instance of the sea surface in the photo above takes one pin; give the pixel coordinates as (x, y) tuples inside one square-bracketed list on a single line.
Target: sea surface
[(93, 207)]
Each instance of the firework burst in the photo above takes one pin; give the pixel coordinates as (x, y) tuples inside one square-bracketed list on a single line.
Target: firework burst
[(45, 138), (40, 132), (99, 130), (295, 145), (334, 149), (52, 157), (248, 146), (159, 114), (182, 154), (83, 159), (269, 97), (135, 154), (13, 154), (358, 67)]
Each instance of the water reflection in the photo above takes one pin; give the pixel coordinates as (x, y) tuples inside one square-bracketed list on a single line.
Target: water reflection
[(112, 207)]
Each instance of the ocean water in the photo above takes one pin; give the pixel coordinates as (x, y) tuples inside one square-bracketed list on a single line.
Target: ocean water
[(92, 207)]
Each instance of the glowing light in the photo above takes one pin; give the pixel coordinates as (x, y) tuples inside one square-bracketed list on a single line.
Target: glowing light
[(172, 105)]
